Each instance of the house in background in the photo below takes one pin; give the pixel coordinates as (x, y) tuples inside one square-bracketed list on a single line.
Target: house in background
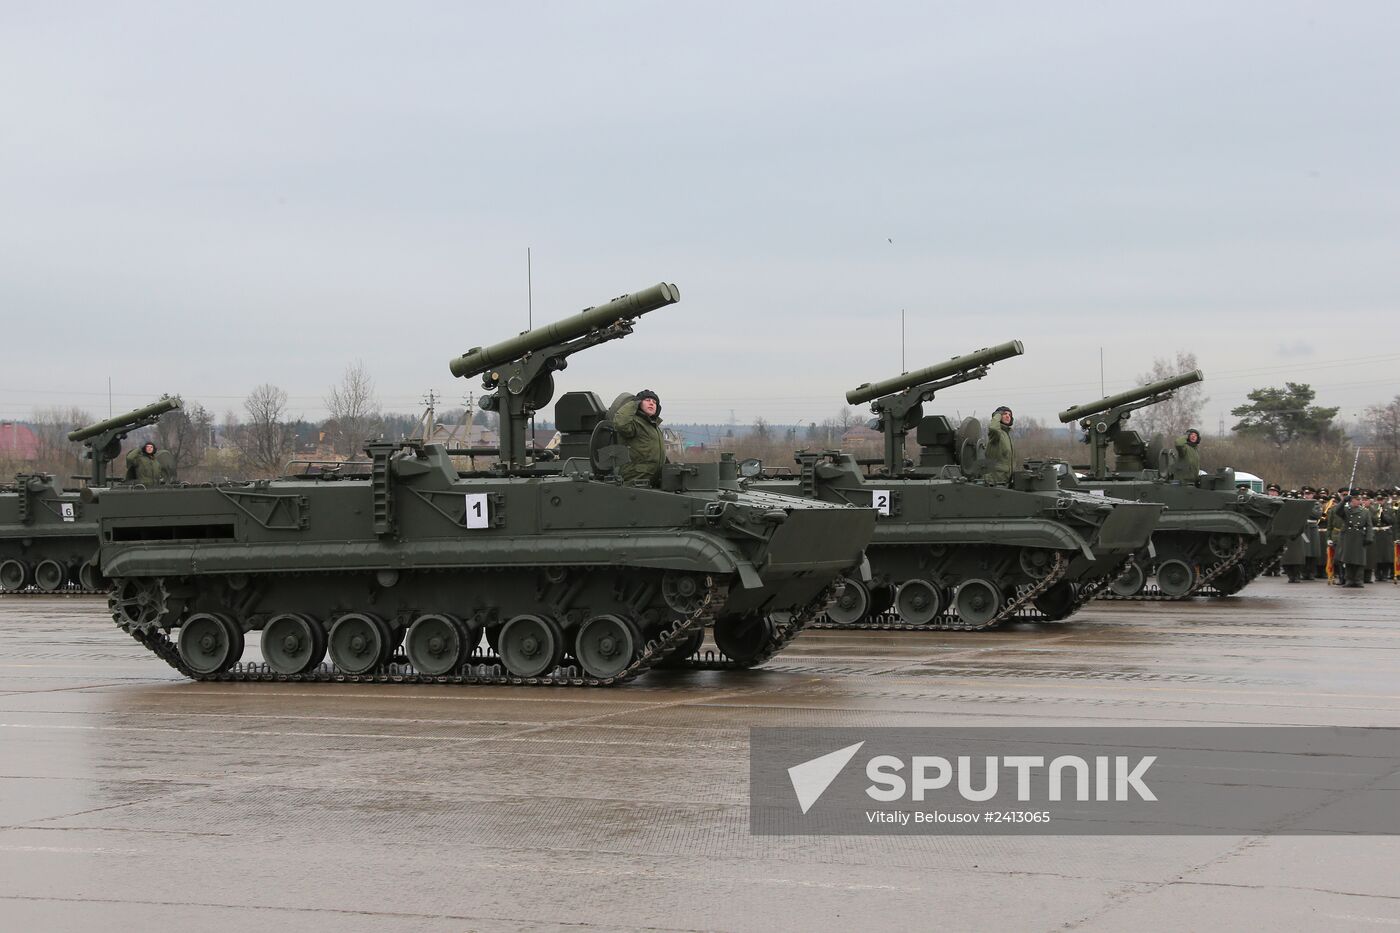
[(18, 443)]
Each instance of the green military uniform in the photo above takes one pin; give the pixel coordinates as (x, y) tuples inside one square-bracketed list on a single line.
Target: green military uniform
[(1187, 468), (143, 468), (1384, 555), (645, 444), (1001, 455), (1313, 551), (1295, 556), (1317, 550), (1352, 529)]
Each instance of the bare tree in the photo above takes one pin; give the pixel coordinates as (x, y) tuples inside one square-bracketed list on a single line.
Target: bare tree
[(1183, 410), (761, 429), (186, 433), (1383, 424), (354, 411), (56, 454), (266, 439)]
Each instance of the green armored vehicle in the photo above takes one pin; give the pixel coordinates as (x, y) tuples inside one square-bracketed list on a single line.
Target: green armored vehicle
[(48, 534), (1212, 539), (952, 550), (571, 576)]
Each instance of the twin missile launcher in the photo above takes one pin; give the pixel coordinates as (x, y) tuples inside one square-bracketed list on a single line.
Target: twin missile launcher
[(952, 551), (1213, 539)]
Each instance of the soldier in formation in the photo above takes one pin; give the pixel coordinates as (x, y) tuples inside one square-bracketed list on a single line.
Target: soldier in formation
[(638, 423), (1316, 550), (1301, 558), (1351, 531), (1001, 458), (1275, 491), (1383, 511)]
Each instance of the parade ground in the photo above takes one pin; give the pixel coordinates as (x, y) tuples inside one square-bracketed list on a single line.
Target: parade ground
[(131, 799)]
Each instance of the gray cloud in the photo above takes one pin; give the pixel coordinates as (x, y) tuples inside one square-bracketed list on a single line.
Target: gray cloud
[(198, 198)]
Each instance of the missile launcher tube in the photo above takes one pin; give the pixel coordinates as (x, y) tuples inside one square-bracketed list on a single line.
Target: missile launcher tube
[(153, 410), (1076, 412), (958, 364), (480, 359)]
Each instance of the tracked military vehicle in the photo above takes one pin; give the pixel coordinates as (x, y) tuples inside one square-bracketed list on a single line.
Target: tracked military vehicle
[(1212, 539), (569, 575), (951, 551), (48, 534)]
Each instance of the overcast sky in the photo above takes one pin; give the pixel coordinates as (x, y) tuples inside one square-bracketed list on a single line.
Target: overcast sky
[(197, 198)]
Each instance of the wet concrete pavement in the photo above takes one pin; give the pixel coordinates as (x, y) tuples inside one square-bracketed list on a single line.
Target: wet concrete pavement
[(131, 799)]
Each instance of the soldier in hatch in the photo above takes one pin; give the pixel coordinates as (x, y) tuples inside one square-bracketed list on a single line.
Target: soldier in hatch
[(143, 467), (1001, 457), (638, 423), (1187, 468)]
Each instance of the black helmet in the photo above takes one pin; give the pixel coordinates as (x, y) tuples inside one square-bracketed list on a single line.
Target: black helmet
[(150, 444), (647, 393), (1002, 408), (1189, 432)]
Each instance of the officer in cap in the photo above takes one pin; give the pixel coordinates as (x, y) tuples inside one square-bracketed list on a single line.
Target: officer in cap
[(1383, 557), (1274, 490), (1351, 530), (1316, 553)]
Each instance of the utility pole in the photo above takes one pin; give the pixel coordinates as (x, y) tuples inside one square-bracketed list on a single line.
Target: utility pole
[(429, 420)]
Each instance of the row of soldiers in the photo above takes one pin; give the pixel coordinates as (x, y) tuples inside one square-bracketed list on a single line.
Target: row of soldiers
[(1352, 539)]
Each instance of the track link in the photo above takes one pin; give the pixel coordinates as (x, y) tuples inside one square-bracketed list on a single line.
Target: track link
[(73, 590)]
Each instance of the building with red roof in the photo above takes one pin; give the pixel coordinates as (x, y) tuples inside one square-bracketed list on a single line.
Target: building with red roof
[(17, 442)]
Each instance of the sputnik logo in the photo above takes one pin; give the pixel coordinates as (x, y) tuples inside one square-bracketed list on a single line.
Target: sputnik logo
[(811, 778)]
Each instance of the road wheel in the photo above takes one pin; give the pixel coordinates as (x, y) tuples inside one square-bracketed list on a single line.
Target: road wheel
[(530, 646), (919, 602), (293, 643), (743, 639), (978, 601), (358, 643), (209, 643), (606, 645), (851, 606), (1175, 577)]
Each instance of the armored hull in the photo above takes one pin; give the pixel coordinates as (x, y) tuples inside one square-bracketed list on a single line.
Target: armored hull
[(951, 553), (47, 537), (1212, 541), (403, 574)]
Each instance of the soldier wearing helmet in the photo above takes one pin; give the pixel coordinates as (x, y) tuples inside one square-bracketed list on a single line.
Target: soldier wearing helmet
[(1001, 456), (638, 423), (143, 467), (1187, 468)]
